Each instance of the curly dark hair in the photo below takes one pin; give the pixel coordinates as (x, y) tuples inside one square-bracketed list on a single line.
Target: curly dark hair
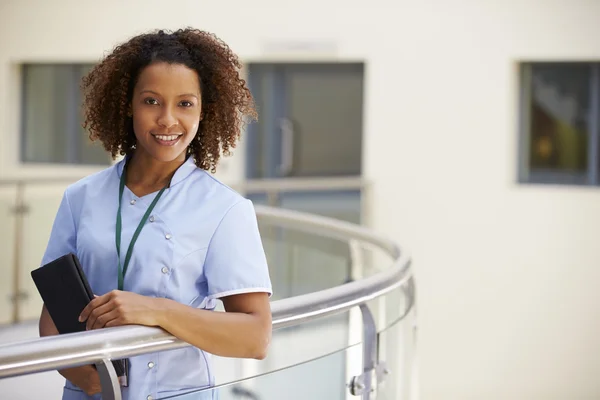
[(226, 100)]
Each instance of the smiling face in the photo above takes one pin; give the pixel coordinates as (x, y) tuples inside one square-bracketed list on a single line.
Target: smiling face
[(166, 107)]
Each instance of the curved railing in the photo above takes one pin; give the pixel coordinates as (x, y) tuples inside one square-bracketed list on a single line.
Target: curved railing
[(365, 293)]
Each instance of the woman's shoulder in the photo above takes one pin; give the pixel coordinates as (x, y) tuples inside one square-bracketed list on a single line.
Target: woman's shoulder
[(216, 191)]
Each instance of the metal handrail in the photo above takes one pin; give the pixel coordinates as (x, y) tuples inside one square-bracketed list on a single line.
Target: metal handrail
[(65, 351)]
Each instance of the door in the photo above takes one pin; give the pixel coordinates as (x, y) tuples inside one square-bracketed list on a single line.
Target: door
[(310, 127), (310, 120)]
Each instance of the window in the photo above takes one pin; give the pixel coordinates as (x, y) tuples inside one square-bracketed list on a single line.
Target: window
[(52, 117), (559, 123)]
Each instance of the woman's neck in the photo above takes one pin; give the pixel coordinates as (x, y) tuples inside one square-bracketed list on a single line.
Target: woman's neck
[(144, 171)]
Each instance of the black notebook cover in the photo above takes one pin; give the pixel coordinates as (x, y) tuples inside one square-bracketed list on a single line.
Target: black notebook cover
[(64, 288), (65, 291)]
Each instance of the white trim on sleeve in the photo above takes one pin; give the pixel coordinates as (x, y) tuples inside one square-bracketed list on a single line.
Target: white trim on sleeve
[(239, 291)]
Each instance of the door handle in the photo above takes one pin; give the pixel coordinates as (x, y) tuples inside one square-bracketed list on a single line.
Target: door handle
[(287, 147)]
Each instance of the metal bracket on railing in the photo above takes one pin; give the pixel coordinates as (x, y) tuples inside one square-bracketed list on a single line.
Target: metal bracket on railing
[(376, 376), (374, 372), (111, 389)]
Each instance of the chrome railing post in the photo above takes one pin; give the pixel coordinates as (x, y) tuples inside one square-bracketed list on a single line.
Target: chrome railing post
[(111, 389), (19, 210), (374, 370), (365, 385)]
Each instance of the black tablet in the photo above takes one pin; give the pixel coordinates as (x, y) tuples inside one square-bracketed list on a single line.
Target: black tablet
[(65, 291)]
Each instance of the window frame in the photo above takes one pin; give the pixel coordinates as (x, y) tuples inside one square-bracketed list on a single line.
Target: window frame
[(527, 175)]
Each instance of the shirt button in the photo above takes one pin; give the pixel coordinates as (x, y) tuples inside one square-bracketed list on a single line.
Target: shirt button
[(149, 397), (151, 364), (132, 202), (164, 270), (151, 219), (168, 236)]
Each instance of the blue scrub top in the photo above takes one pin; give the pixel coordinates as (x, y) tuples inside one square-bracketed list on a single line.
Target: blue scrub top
[(200, 243)]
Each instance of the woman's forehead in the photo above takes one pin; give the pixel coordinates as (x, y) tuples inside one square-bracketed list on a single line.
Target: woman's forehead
[(164, 78)]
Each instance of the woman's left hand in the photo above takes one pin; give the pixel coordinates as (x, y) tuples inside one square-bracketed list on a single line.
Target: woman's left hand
[(119, 308)]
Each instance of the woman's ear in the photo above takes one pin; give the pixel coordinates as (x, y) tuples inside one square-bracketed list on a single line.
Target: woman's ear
[(129, 111)]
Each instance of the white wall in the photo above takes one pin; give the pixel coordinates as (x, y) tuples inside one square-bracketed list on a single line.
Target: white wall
[(506, 273)]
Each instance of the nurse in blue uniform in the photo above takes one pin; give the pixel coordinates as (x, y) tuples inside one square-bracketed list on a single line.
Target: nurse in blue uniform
[(159, 238)]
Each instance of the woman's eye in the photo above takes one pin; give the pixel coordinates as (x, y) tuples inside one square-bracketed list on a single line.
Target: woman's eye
[(186, 103), (150, 101)]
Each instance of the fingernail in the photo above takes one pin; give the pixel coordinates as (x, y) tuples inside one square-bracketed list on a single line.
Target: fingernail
[(80, 318)]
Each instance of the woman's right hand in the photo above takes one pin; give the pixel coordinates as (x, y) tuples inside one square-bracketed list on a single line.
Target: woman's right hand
[(86, 378)]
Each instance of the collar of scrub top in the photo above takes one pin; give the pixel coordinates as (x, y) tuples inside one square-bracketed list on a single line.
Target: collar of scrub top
[(182, 172)]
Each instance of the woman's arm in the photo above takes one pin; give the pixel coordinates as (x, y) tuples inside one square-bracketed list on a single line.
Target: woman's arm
[(243, 331), (85, 377)]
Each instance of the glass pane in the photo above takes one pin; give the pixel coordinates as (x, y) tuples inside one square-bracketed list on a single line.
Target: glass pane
[(397, 349), (342, 205), (369, 259), (265, 86), (390, 308), (52, 116), (302, 263), (558, 118), (325, 107), (322, 378), (48, 102)]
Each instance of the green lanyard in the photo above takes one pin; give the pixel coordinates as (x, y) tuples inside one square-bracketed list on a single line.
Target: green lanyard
[(123, 269)]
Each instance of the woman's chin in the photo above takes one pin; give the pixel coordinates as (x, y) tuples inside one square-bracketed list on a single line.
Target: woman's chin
[(166, 153)]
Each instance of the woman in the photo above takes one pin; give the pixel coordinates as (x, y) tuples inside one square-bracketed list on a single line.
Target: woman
[(159, 238)]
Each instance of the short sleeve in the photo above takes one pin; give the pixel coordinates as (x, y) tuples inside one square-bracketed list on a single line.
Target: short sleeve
[(235, 261), (63, 236)]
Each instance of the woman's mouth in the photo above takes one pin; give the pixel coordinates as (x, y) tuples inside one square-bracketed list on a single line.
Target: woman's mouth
[(167, 140)]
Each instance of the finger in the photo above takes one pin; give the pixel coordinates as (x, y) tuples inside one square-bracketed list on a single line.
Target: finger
[(116, 321), (102, 320), (96, 302), (97, 313)]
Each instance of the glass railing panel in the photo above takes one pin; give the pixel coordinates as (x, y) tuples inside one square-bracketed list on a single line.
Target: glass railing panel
[(291, 346), (392, 307), (302, 263), (297, 344), (7, 249), (322, 378), (368, 259), (397, 349)]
